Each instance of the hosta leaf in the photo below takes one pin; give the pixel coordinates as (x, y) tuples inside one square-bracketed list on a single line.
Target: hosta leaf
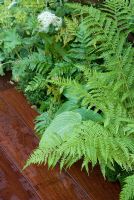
[(62, 125), (89, 115), (67, 106)]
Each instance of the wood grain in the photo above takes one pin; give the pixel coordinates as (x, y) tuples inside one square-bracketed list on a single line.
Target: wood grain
[(13, 185), (17, 139)]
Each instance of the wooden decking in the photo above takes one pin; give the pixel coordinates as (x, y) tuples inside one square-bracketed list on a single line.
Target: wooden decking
[(17, 140)]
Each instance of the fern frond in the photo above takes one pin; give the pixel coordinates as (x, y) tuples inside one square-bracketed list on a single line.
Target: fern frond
[(77, 8), (120, 11), (68, 33), (36, 62), (90, 142), (42, 122), (62, 69), (63, 81), (37, 83), (127, 192)]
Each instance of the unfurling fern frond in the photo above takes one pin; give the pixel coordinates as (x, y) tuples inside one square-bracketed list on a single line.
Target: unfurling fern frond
[(128, 189)]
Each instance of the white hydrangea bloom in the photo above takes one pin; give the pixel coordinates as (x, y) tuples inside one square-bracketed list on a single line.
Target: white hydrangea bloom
[(46, 18)]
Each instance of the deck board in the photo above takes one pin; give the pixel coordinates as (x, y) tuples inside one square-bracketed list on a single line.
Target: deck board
[(13, 185), (17, 139)]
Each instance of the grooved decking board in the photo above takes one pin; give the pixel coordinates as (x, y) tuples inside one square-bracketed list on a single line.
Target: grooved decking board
[(13, 185), (94, 184), (17, 139)]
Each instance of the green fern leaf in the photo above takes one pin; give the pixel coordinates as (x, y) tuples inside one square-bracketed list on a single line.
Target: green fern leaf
[(128, 189)]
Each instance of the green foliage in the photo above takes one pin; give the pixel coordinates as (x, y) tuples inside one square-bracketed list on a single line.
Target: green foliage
[(81, 78), (128, 189), (89, 140), (18, 35)]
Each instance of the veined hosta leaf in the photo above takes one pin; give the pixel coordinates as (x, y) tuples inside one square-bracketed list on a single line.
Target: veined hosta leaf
[(62, 125), (89, 115), (67, 106)]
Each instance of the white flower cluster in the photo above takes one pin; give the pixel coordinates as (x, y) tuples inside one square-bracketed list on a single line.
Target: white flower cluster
[(47, 18)]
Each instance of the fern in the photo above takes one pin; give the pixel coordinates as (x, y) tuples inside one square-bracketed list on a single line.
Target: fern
[(36, 62), (68, 33), (77, 9), (121, 12), (128, 189), (62, 69), (99, 36), (37, 83), (89, 141), (42, 122)]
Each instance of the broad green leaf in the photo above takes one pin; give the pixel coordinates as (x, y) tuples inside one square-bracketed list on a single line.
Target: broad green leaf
[(62, 125), (67, 106), (89, 115)]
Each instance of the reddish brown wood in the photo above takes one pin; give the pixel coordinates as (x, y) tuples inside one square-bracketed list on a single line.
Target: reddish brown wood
[(18, 102), (94, 183), (18, 140), (13, 185)]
